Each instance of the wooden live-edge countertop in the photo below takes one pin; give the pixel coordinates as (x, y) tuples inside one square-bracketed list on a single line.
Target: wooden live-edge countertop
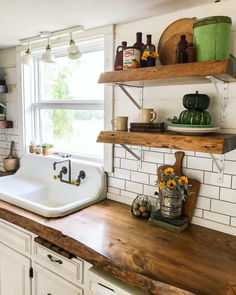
[(198, 261)]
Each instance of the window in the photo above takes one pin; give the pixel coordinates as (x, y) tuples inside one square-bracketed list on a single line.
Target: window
[(67, 103)]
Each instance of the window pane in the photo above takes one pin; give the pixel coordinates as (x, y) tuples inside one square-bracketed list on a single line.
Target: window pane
[(72, 130), (72, 79)]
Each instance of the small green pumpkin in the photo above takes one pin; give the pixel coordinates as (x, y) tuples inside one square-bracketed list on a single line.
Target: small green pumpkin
[(193, 117), (196, 101)]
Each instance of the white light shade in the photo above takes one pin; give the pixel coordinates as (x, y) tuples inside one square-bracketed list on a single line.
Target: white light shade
[(48, 56), (26, 58), (73, 50)]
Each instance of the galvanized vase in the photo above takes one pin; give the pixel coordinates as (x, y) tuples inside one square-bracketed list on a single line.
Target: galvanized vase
[(170, 204)]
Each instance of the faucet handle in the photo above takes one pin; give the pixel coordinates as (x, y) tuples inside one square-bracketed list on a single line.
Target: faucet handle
[(55, 176), (75, 182)]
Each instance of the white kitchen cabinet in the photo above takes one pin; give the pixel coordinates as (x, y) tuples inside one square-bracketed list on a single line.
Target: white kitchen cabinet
[(47, 283), (14, 272)]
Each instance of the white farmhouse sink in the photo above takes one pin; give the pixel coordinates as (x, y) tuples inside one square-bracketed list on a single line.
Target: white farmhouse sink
[(33, 187)]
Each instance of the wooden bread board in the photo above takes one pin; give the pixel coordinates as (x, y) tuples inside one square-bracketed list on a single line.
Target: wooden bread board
[(190, 203)]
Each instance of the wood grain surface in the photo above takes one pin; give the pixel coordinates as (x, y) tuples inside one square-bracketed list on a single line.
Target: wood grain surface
[(190, 203), (198, 261), (170, 38), (216, 143), (188, 73)]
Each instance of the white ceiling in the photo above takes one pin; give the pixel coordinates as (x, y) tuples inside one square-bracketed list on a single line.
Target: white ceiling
[(21, 19)]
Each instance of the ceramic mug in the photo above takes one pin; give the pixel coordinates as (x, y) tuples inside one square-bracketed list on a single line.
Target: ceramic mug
[(120, 123), (148, 115)]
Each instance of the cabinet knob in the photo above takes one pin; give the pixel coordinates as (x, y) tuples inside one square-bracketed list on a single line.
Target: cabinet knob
[(54, 260)]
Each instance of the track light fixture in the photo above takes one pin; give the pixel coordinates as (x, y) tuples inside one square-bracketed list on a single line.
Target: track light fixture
[(48, 56), (26, 58), (73, 49)]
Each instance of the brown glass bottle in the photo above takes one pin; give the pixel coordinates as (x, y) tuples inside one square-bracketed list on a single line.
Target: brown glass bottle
[(139, 44), (181, 54), (149, 44), (118, 65), (191, 53)]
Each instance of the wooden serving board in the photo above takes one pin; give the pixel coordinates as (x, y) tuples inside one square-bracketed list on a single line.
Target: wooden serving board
[(190, 203)]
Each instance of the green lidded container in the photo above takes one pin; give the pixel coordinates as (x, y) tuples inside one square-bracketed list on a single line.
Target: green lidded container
[(212, 37)]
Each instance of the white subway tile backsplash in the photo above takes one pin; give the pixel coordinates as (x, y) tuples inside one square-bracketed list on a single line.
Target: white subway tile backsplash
[(228, 195), (199, 163), (128, 194), (194, 174), (203, 203), (198, 212), (170, 160), (229, 167), (122, 173), (129, 164), (234, 182), (233, 221), (140, 177), (119, 152), (187, 153), (116, 162), (153, 179), (113, 190), (231, 156), (212, 178), (223, 207), (216, 217), (153, 157), (148, 168), (209, 191), (116, 183), (134, 187), (149, 190)]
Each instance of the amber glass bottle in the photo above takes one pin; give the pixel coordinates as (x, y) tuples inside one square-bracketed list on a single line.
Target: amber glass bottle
[(181, 54), (149, 44), (139, 44), (118, 65)]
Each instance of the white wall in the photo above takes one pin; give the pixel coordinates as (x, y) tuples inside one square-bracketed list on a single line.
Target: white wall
[(216, 206), (8, 72)]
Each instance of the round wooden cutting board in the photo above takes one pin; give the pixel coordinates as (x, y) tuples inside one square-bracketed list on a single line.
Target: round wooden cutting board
[(171, 36)]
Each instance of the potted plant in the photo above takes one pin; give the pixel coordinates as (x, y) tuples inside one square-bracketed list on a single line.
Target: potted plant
[(47, 148), (173, 191), (38, 149)]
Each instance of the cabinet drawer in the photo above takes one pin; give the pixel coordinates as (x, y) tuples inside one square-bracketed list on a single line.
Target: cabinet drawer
[(46, 282), (71, 269), (15, 238)]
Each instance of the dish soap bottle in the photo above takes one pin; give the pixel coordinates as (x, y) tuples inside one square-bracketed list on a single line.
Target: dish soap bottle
[(118, 65)]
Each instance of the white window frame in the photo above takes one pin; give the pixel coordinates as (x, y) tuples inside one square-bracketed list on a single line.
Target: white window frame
[(26, 123)]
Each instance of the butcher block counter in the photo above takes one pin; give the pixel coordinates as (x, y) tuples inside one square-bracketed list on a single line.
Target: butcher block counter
[(198, 261)]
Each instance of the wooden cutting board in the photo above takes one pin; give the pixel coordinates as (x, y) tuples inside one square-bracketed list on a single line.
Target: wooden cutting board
[(190, 203), (170, 38)]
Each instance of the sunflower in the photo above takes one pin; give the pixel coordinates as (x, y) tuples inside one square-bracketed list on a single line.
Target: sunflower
[(162, 185), (171, 184), (155, 55), (169, 171), (183, 180)]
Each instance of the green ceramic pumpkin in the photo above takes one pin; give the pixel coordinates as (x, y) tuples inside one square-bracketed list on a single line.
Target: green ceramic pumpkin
[(192, 117), (196, 101)]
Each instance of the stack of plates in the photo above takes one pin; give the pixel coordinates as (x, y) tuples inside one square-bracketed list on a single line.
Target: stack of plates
[(193, 129)]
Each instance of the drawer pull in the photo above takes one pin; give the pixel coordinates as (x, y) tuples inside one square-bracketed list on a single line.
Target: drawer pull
[(54, 260)]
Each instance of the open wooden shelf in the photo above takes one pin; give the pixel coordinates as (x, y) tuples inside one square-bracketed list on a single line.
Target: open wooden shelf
[(177, 74), (6, 124), (217, 143)]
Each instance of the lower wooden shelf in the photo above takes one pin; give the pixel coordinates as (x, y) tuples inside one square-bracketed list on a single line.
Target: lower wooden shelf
[(217, 143)]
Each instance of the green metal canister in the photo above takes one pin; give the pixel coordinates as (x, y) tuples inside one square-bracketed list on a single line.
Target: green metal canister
[(212, 37)]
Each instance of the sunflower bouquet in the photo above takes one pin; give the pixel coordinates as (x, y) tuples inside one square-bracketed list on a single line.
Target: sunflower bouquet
[(148, 52), (173, 185)]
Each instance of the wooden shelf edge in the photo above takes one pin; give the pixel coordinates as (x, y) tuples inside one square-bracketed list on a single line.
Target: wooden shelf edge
[(216, 144), (188, 73)]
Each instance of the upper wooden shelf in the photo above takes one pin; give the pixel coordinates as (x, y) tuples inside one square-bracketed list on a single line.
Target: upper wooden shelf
[(177, 74), (217, 143)]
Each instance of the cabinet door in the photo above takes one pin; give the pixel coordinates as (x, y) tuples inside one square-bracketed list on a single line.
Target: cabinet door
[(46, 282), (14, 272)]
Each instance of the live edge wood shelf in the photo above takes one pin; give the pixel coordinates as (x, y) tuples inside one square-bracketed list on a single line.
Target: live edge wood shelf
[(214, 144), (177, 74)]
